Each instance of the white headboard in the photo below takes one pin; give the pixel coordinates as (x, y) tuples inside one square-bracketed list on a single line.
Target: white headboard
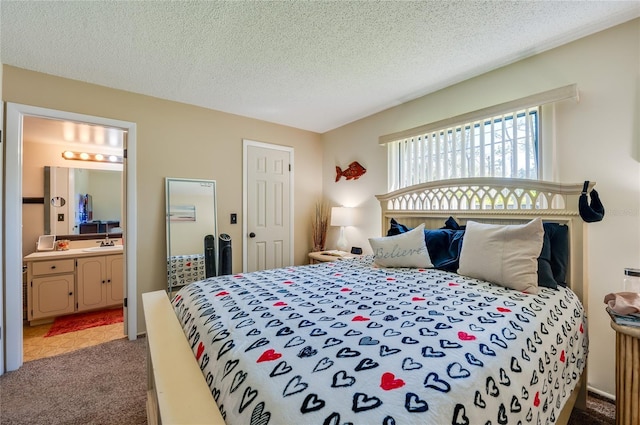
[(495, 200)]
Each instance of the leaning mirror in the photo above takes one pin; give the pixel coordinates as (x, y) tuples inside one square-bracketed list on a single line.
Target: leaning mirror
[(191, 231)]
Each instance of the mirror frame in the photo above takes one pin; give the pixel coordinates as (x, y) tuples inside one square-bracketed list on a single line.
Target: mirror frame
[(210, 252)]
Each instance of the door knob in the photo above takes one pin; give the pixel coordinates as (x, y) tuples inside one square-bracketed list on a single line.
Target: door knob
[(252, 235)]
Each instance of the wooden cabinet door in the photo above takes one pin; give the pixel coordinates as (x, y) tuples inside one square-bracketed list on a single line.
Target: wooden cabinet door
[(115, 279), (92, 283), (52, 296)]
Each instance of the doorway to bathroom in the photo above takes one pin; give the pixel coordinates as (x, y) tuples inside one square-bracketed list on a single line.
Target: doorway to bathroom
[(78, 168), (14, 198)]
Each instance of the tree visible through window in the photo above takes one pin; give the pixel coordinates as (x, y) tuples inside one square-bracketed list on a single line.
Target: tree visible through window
[(506, 145)]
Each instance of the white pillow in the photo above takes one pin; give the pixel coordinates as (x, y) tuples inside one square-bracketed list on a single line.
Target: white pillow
[(503, 254), (404, 250)]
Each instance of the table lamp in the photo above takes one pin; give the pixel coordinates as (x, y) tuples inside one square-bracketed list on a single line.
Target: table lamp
[(341, 216)]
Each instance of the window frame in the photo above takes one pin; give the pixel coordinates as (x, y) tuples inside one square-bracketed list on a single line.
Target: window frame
[(542, 101), (469, 150)]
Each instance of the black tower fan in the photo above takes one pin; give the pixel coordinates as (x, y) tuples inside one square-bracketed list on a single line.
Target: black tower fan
[(224, 250), (209, 256)]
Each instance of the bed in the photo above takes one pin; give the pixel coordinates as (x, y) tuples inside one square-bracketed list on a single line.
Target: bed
[(355, 341)]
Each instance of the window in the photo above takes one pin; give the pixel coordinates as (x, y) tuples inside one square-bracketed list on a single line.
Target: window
[(499, 146), (498, 141)]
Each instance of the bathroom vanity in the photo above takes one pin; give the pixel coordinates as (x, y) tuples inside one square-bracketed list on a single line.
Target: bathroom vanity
[(73, 281)]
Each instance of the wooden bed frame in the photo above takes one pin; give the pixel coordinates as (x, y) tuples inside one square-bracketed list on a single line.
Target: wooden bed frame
[(177, 392)]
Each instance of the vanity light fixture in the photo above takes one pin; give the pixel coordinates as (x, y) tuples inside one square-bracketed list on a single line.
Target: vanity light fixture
[(96, 157)]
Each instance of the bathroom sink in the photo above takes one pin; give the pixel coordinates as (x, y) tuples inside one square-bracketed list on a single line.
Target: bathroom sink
[(103, 248)]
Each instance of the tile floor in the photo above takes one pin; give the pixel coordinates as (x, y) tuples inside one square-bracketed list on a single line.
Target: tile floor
[(36, 346)]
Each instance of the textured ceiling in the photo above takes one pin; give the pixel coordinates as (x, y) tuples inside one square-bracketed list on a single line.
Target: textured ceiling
[(310, 65)]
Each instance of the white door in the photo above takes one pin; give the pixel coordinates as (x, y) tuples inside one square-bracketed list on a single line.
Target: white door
[(268, 217)]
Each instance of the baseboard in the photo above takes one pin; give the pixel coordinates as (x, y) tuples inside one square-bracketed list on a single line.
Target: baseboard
[(601, 393)]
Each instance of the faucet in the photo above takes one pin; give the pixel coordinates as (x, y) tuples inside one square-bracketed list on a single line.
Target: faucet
[(106, 241)]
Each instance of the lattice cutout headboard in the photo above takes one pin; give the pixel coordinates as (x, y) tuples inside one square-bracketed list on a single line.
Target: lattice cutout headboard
[(495, 200)]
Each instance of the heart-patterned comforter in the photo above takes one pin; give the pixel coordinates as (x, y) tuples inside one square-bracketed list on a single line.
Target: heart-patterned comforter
[(345, 342)]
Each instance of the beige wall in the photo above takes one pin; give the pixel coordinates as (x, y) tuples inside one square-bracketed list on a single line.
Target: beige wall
[(179, 140), (597, 139)]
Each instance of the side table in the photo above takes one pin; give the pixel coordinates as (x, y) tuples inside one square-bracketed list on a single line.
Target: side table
[(627, 374), (321, 257)]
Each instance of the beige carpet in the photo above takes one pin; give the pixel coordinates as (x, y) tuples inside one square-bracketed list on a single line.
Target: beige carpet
[(104, 384), (600, 411)]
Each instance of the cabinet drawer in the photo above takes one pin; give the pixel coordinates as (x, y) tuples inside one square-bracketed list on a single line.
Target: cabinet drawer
[(54, 266)]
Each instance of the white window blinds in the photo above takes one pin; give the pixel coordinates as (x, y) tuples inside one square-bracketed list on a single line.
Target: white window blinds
[(499, 141)]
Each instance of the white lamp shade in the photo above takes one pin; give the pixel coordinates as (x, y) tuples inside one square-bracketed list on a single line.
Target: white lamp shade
[(341, 216)]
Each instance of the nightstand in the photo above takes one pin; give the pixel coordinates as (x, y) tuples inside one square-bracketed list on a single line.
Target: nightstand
[(627, 374), (320, 257)]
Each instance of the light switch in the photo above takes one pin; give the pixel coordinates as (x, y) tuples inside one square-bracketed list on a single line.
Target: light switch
[(60, 217), (234, 218)]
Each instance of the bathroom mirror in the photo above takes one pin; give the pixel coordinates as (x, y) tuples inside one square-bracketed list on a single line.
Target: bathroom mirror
[(192, 231), (82, 201)]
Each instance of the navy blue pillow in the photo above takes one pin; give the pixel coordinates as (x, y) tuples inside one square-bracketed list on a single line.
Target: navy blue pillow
[(444, 245), (545, 273), (451, 223), (396, 228), (559, 238)]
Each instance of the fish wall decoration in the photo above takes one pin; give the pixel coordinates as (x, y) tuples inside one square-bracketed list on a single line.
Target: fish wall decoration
[(353, 172)]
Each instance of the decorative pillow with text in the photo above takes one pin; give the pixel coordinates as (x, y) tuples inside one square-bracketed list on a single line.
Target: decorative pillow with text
[(404, 250)]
